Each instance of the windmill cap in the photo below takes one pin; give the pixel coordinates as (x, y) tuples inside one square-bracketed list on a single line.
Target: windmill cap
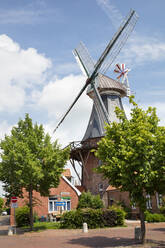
[(105, 84)]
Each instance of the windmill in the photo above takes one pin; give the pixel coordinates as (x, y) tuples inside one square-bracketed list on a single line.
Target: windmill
[(106, 94)]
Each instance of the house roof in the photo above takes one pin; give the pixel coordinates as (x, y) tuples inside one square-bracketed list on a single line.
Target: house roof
[(72, 186), (111, 188), (80, 188)]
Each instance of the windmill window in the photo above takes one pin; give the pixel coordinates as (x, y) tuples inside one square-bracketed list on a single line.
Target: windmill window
[(100, 163), (148, 202), (133, 205), (100, 187), (159, 200)]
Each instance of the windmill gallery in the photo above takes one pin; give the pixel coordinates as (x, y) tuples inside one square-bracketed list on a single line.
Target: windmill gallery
[(106, 94)]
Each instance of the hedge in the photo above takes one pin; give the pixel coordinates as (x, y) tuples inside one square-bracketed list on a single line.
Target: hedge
[(22, 215), (95, 218), (149, 217)]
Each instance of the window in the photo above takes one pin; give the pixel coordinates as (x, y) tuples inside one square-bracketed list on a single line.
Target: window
[(159, 200), (148, 202), (52, 204), (133, 205), (99, 163), (66, 206), (100, 187)]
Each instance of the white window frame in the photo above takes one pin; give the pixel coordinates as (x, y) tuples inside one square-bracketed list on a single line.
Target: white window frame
[(148, 202), (159, 199), (100, 187), (133, 205), (66, 208), (53, 200)]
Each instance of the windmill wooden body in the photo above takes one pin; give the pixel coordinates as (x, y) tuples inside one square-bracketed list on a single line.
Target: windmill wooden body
[(106, 94)]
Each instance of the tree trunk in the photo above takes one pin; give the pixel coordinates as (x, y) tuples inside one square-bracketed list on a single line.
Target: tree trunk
[(143, 228), (31, 208)]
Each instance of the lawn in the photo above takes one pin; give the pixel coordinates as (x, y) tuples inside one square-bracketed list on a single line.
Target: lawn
[(39, 226)]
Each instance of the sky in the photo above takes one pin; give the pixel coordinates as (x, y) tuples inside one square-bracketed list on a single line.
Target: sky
[(39, 74)]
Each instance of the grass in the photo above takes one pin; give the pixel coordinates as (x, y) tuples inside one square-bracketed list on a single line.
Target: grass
[(39, 226)]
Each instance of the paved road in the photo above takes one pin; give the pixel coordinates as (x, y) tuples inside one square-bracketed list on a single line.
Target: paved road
[(4, 223), (110, 237)]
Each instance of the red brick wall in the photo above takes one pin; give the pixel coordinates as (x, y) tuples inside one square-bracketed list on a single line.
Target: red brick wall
[(91, 179), (124, 197), (41, 207)]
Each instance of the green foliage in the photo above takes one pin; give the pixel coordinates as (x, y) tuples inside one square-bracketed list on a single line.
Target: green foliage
[(93, 217), (30, 160), (162, 210), (72, 219), (120, 214), (133, 154), (41, 226), (1, 204), (87, 200), (109, 218), (149, 217), (22, 215)]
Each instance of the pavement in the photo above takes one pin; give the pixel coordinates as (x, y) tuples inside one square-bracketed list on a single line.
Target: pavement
[(96, 238)]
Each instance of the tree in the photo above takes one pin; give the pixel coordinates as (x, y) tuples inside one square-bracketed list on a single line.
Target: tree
[(87, 200), (30, 161), (1, 204), (133, 156)]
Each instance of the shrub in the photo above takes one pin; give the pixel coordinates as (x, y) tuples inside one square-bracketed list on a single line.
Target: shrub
[(154, 217), (120, 214), (1, 204), (109, 218), (93, 217), (87, 200), (22, 216), (162, 210), (72, 219)]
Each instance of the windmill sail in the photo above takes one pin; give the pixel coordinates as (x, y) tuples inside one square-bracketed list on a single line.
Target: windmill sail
[(105, 60), (84, 59)]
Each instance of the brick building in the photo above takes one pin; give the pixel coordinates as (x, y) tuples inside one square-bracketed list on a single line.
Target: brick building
[(51, 206), (115, 195)]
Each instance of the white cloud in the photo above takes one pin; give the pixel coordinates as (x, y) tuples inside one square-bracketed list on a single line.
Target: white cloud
[(19, 69), (31, 13), (66, 68), (112, 12), (141, 49), (57, 95), (5, 128), (55, 99)]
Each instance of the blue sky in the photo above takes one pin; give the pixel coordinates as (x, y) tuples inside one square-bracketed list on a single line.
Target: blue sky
[(39, 74)]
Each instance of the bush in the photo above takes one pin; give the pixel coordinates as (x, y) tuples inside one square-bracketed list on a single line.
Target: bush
[(72, 219), (109, 218), (120, 215), (1, 204), (87, 200), (162, 210), (22, 216), (93, 217), (154, 217)]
